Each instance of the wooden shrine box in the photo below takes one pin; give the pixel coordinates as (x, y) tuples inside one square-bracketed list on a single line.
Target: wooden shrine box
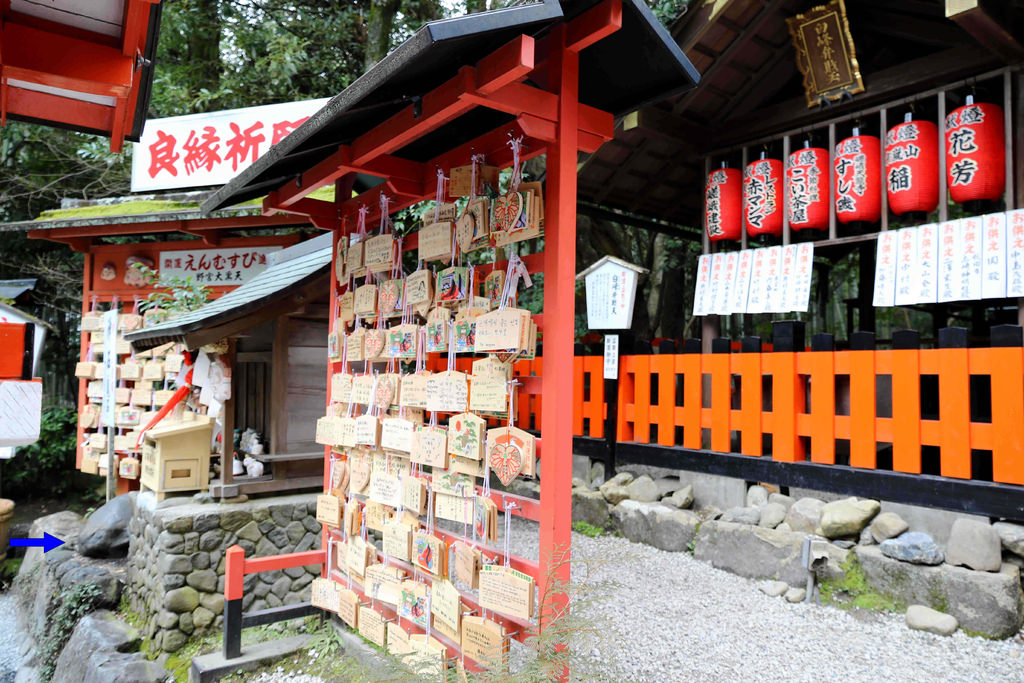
[(176, 457)]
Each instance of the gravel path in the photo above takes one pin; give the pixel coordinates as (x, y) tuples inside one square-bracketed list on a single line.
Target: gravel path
[(8, 637), (667, 617)]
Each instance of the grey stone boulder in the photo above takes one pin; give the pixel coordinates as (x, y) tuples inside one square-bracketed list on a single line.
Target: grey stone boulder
[(784, 527), (613, 493), (578, 483), (183, 599), (747, 515), (643, 489), (1012, 537), (65, 525), (102, 649), (596, 473), (866, 537), (772, 515), (774, 589), (756, 496), (921, 618), (986, 602), (105, 533), (630, 518), (590, 507), (887, 525), (672, 529), (77, 573), (796, 594), (915, 547), (842, 518), (782, 499), (974, 544), (805, 515), (682, 498), (760, 553)]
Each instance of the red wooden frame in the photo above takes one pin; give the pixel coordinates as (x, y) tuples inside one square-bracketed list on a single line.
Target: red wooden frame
[(551, 121)]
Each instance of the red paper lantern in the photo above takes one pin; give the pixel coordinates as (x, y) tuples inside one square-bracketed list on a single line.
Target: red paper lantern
[(911, 167), (807, 189), (723, 204), (858, 181), (762, 197), (975, 153)]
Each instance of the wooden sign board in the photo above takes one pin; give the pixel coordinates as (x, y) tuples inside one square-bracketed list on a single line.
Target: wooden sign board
[(384, 583), (372, 626), (825, 54), (483, 641), (611, 291), (507, 591)]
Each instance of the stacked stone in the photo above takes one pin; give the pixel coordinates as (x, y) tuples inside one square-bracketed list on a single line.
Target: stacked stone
[(177, 562)]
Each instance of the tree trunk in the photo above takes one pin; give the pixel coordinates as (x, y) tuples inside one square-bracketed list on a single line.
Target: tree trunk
[(378, 33)]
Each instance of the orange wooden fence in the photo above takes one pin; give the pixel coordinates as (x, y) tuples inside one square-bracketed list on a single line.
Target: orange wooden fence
[(795, 406)]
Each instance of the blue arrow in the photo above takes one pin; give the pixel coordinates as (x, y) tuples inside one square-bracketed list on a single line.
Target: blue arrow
[(47, 542)]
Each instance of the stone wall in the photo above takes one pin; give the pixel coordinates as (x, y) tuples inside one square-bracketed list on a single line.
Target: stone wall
[(176, 560)]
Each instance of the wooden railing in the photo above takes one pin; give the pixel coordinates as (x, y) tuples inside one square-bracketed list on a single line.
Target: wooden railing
[(953, 411)]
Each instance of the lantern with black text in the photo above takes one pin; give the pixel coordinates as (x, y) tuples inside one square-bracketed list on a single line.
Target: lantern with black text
[(858, 179), (975, 152), (723, 204), (912, 167), (762, 197), (807, 189)]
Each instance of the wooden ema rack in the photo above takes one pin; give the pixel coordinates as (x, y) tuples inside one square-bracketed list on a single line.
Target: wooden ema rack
[(551, 121)]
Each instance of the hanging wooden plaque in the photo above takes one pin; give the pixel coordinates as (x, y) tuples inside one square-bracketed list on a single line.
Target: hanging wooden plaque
[(448, 392), (328, 510), (341, 387), (346, 432), (365, 301), (323, 593), (452, 285), (501, 330), (396, 434), (436, 242), (348, 607), (419, 288), (346, 307), (398, 640), (483, 641), (446, 608), (428, 552), (413, 392), (488, 395), (453, 508), (430, 446), (379, 253), (414, 495), (825, 53), (506, 590), (414, 603), (467, 564), (385, 489), (398, 540), (403, 340), (508, 450), (354, 347), (427, 658), (466, 434), (372, 626), (461, 180), (360, 478)]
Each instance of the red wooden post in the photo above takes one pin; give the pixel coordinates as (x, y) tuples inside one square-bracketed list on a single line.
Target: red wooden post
[(234, 576), (559, 309)]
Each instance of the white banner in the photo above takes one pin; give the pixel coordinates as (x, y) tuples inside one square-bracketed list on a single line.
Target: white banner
[(108, 412), (199, 150), (231, 266)]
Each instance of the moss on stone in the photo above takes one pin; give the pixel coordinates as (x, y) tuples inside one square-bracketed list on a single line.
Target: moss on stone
[(123, 209), (853, 590)]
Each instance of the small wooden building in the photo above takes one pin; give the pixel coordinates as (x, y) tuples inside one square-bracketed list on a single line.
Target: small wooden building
[(276, 328)]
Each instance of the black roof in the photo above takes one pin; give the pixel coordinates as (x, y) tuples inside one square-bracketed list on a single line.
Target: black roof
[(636, 65)]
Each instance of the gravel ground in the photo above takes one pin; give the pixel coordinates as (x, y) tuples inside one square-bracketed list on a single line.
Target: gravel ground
[(8, 637), (667, 617)]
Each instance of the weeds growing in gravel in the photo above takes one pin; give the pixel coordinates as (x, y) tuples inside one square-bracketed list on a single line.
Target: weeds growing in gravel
[(853, 590)]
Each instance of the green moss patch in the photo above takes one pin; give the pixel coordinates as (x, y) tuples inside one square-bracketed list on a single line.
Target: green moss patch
[(853, 591)]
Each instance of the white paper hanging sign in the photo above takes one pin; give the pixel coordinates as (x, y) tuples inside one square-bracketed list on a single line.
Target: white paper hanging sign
[(906, 266), (928, 264), (994, 256), (717, 286), (789, 282), (732, 260), (971, 246), (757, 300), (700, 290), (741, 287), (1015, 253), (885, 269), (772, 280), (804, 273), (949, 259)]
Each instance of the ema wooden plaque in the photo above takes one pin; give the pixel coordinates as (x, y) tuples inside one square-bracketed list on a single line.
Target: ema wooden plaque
[(372, 626), (483, 641), (506, 590), (328, 510), (348, 607)]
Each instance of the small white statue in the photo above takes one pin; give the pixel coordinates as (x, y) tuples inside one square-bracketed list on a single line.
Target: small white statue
[(253, 467)]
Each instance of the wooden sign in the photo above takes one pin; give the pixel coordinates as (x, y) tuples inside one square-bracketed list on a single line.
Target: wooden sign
[(328, 510), (427, 658), (453, 508), (501, 330), (326, 430), (359, 555), (374, 343), (480, 211), (436, 242), (379, 253), (414, 603), (448, 392), (323, 593), (508, 450), (419, 288), (452, 285), (353, 519), (414, 495), (506, 590), (485, 519), (365, 302), (346, 307), (362, 390), (483, 641), (348, 607), (396, 434), (384, 583), (385, 489), (464, 229), (413, 392), (345, 432), (430, 446), (341, 387), (398, 540), (446, 608), (467, 565), (360, 477), (428, 552), (339, 478), (489, 395), (389, 298), (467, 466), (461, 180), (451, 483), (376, 513), (398, 640), (354, 347), (372, 626), (403, 340), (825, 54), (493, 285), (367, 431), (611, 286), (355, 258), (466, 434)]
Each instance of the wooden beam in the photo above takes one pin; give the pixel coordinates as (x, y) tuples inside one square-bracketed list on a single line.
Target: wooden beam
[(279, 387), (697, 21), (989, 25)]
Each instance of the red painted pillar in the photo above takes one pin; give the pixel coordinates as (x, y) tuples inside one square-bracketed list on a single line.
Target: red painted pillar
[(559, 323)]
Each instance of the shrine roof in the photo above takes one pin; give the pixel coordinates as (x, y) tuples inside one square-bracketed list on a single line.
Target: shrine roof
[(637, 64), (288, 271)]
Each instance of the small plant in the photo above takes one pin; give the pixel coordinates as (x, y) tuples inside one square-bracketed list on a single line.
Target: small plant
[(588, 529), (72, 604), (175, 295), (854, 591)]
